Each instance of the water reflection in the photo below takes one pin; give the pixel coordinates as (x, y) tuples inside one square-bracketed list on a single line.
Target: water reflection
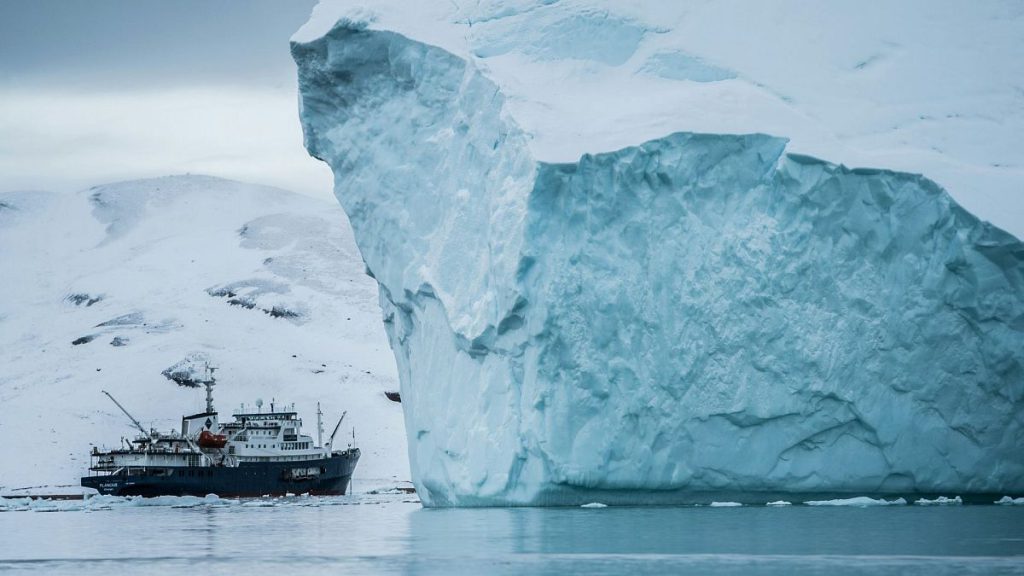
[(676, 536), (379, 535)]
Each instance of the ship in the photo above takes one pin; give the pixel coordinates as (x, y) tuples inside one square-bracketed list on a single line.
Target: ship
[(256, 454)]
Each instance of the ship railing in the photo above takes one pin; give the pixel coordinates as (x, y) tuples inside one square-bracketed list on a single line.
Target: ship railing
[(104, 471), (199, 452)]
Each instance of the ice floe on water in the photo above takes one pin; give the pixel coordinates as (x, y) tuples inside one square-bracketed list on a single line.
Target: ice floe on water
[(1007, 501), (779, 503), (940, 501), (98, 503), (858, 501), (725, 504), (594, 505)]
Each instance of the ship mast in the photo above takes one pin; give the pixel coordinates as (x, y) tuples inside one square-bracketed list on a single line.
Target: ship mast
[(319, 426), (209, 382)]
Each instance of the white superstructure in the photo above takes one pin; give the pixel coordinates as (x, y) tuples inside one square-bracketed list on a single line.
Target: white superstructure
[(273, 436)]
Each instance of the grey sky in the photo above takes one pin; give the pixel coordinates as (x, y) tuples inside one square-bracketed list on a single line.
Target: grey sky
[(154, 43), (102, 90)]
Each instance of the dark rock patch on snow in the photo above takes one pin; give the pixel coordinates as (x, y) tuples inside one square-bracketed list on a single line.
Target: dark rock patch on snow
[(83, 340), (190, 372), (82, 298), (119, 341), (253, 294), (243, 302), (282, 312)]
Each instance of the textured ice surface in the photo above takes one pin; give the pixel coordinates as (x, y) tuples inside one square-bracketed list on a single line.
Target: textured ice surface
[(694, 314)]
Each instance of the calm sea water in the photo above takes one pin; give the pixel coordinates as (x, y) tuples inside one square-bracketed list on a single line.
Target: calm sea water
[(394, 535)]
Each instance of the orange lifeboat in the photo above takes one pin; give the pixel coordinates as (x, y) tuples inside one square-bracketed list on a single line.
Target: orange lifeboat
[(208, 439)]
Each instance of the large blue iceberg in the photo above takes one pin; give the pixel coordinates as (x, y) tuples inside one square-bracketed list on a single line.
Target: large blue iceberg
[(693, 317)]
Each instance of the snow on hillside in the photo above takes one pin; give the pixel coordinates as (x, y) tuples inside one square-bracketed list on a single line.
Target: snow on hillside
[(918, 86), (104, 289)]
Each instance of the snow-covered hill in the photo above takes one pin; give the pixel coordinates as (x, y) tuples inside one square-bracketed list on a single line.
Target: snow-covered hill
[(104, 289)]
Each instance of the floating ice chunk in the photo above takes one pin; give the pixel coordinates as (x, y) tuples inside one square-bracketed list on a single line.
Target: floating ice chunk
[(779, 503), (940, 501), (259, 504), (100, 502), (1007, 501), (594, 505), (862, 501), (725, 504)]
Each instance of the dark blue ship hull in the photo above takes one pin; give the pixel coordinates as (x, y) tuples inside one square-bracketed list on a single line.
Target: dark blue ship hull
[(324, 476)]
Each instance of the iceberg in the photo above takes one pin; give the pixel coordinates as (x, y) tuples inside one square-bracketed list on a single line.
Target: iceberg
[(688, 317)]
